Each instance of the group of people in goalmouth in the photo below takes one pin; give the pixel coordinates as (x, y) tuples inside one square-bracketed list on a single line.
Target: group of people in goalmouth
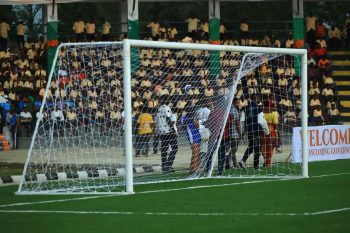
[(203, 133)]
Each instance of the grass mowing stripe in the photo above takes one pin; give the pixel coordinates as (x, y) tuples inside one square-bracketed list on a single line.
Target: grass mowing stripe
[(171, 214), (142, 192), (166, 190)]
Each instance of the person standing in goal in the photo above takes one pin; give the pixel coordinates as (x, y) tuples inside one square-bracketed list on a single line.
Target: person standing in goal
[(203, 115), (145, 130), (191, 124), (267, 142), (168, 136), (255, 124)]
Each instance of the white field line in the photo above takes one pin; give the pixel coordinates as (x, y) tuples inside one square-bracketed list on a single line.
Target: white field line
[(138, 193), (164, 190), (169, 214)]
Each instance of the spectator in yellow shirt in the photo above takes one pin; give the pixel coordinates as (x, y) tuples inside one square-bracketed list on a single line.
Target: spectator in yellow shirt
[(78, 28), (4, 30), (20, 30), (145, 131), (105, 30), (267, 141), (90, 28)]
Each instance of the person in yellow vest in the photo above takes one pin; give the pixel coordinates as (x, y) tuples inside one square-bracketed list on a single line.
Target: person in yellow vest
[(267, 141), (20, 30), (145, 131)]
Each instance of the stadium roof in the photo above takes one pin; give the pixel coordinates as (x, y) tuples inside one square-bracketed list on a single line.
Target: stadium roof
[(22, 2)]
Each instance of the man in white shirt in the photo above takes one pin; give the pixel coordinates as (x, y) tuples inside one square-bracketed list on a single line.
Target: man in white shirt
[(289, 117), (168, 135), (333, 115), (57, 119), (203, 116), (26, 120), (192, 24)]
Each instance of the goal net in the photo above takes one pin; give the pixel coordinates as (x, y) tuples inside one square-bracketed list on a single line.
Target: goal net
[(114, 114)]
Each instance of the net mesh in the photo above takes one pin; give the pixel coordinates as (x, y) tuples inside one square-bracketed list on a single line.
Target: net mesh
[(191, 117)]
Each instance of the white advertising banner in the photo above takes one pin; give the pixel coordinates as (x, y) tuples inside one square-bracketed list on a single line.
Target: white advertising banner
[(328, 142)]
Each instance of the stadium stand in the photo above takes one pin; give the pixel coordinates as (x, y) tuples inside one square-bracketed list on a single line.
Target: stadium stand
[(23, 76)]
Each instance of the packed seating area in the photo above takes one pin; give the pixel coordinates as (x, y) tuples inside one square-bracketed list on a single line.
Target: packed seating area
[(23, 77)]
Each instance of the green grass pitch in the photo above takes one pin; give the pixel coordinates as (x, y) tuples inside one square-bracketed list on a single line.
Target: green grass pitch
[(318, 204)]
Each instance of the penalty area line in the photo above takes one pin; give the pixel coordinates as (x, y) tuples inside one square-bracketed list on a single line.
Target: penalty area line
[(72, 212)]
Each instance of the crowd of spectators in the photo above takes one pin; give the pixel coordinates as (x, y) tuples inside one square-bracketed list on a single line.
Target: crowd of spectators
[(88, 76)]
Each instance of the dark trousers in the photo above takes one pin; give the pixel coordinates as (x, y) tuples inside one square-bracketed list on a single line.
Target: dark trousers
[(232, 154), (144, 146), (14, 137), (225, 143), (156, 139), (79, 37), (105, 37), (3, 43), (90, 37), (166, 141), (20, 41), (253, 146)]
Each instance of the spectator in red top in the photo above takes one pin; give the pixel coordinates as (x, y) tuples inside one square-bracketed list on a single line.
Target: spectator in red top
[(320, 29), (323, 63), (318, 52)]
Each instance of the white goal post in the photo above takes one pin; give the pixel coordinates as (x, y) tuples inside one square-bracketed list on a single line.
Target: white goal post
[(75, 157)]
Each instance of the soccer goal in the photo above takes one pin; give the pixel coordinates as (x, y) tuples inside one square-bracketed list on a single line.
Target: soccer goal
[(115, 114)]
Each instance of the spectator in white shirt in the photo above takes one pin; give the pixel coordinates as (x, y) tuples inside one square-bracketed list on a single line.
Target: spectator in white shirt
[(57, 119), (26, 120), (327, 92), (318, 116), (314, 90), (333, 115), (192, 24), (314, 102), (289, 117)]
